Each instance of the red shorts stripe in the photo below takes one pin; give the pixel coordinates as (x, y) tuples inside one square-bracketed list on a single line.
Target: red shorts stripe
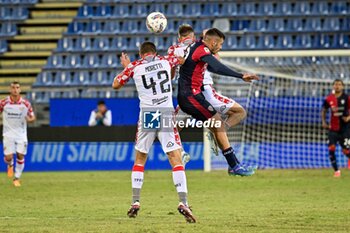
[(138, 168), (178, 168), (221, 98), (199, 107)]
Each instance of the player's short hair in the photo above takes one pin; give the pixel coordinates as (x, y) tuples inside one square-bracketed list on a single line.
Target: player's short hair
[(338, 80), (184, 30), (148, 47), (214, 32), (15, 83), (101, 102)]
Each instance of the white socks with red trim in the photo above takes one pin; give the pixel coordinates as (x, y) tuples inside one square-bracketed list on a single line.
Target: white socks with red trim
[(179, 178), (136, 182), (19, 168)]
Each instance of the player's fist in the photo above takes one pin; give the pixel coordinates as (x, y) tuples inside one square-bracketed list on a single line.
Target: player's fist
[(325, 126), (124, 59), (181, 60), (346, 118), (250, 77)]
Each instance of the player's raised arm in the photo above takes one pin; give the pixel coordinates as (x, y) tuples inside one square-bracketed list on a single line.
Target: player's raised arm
[(123, 77)]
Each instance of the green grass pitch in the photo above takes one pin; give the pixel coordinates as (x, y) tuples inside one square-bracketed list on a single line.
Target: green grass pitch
[(270, 201)]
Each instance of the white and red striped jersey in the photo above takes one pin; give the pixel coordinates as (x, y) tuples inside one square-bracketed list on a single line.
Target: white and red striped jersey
[(14, 117), (152, 77)]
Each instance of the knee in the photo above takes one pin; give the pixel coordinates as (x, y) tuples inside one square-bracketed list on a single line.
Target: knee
[(20, 156)]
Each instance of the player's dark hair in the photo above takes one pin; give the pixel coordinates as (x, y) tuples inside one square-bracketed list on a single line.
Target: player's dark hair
[(338, 80), (214, 32), (184, 30), (15, 83), (101, 102), (148, 47)]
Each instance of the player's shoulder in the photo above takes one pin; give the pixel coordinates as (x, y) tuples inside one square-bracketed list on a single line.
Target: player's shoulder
[(25, 101), (5, 100), (200, 50)]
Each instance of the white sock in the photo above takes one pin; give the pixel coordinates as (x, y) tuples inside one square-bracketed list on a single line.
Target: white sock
[(179, 178), (19, 168), (136, 181)]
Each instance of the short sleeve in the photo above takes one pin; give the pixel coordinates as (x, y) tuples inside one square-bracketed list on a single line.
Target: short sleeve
[(200, 52), (126, 74)]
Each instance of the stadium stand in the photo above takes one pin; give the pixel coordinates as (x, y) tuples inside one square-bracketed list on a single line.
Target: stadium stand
[(87, 52)]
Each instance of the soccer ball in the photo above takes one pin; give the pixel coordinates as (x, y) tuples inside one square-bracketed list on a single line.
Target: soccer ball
[(156, 22)]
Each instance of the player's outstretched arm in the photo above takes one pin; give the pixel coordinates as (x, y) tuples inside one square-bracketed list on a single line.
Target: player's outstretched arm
[(217, 67)]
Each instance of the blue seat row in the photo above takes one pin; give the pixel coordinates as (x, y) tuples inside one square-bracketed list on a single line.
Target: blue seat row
[(17, 2), (218, 8), (83, 61), (69, 78), (293, 24), (13, 13), (115, 44), (287, 41)]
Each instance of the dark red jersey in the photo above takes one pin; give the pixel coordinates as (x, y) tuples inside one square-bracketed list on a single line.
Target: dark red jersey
[(339, 108)]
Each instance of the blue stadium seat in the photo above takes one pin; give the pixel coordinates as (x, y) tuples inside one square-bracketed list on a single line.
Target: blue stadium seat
[(239, 25), (131, 26), (121, 10), (135, 42), (82, 44), (211, 9), (157, 8), (248, 8), (276, 24), (313, 24), (85, 11), (229, 9), (119, 43), (247, 42), (100, 78), (55, 61), (202, 24), (294, 24), (63, 78), (5, 13), (73, 61), (193, 9), (176, 9), (331, 24), (266, 42), (103, 11), (111, 27), (101, 44), (91, 61), (140, 10), (303, 41), (342, 41), (3, 46), (8, 29), (266, 8), (75, 28), (230, 42), (65, 44), (284, 41), (340, 7), (320, 7), (93, 27), (80, 77), (284, 8), (302, 8), (44, 79), (258, 25), (109, 60), (345, 24)]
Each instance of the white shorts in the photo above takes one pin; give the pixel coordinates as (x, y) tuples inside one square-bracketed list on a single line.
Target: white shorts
[(13, 146), (220, 103), (169, 138)]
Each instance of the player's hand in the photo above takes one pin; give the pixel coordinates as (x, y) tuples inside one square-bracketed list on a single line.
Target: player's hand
[(250, 77), (346, 118), (99, 115), (325, 126), (181, 60), (124, 59)]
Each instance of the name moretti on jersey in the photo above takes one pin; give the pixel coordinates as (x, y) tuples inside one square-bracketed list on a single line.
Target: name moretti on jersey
[(153, 67)]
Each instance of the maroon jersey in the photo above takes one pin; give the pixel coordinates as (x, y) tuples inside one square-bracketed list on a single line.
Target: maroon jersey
[(339, 108)]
